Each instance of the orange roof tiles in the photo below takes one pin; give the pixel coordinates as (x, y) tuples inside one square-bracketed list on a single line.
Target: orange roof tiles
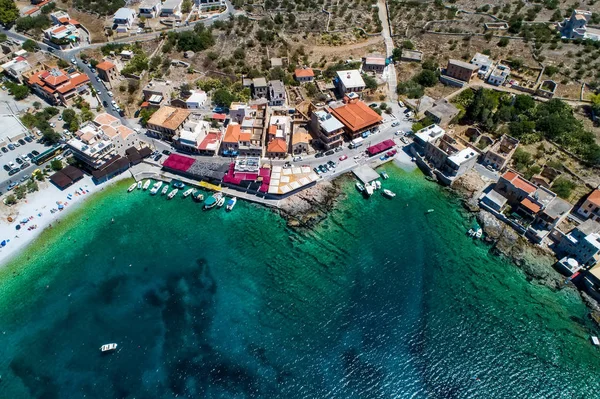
[(594, 197), (356, 116), (245, 136), (53, 80), (74, 22), (63, 20), (232, 134), (169, 117), (31, 11), (277, 145), (509, 175), (273, 129), (105, 65), (58, 29), (533, 207), (109, 131), (519, 182), (301, 138), (105, 119), (304, 73)]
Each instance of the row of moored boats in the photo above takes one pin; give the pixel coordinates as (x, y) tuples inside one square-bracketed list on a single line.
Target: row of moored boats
[(369, 188), (215, 200)]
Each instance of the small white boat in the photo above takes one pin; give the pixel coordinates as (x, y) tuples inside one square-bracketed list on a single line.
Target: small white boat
[(147, 184), (360, 187), (139, 184), (595, 340), (376, 184), (384, 175), (221, 202), (187, 192), (369, 189), (231, 203), (108, 347), (478, 233), (164, 190), (389, 193), (430, 210), (156, 187), (132, 187), (172, 193)]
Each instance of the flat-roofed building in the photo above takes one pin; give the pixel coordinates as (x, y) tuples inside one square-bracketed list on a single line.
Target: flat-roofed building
[(167, 122), (485, 64), (582, 243), (350, 81), (590, 209), (196, 100), (501, 152), (150, 8), (461, 70), (171, 8), (327, 128), (374, 63), (92, 146), (198, 137), (450, 158), (442, 112), (210, 5), (123, 19), (276, 93), (11, 129)]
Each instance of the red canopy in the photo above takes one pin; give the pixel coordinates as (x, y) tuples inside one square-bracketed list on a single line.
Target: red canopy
[(178, 162), (384, 145)]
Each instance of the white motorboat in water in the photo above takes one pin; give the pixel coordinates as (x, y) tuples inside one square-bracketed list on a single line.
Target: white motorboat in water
[(132, 187), (231, 203), (156, 187), (164, 190), (360, 187), (147, 184), (187, 192), (369, 189), (139, 184), (389, 193), (376, 185), (173, 193), (108, 347), (221, 202)]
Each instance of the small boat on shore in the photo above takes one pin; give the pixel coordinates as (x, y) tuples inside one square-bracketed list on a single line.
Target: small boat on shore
[(156, 187), (132, 187), (384, 175), (139, 185), (388, 193), (108, 347), (221, 202), (198, 196), (231, 203), (172, 194), (368, 189), (360, 187), (212, 201), (188, 192), (164, 190), (147, 184)]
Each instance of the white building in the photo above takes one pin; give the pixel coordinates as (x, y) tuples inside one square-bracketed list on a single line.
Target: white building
[(499, 75), (124, 18), (582, 243), (92, 146), (485, 64), (171, 8), (16, 67), (428, 134), (350, 81), (196, 100), (206, 5), (150, 8)]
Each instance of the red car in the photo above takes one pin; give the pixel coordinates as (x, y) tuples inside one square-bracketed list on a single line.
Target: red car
[(343, 157)]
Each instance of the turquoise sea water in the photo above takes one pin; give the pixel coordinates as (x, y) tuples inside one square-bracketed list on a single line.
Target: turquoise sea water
[(379, 301)]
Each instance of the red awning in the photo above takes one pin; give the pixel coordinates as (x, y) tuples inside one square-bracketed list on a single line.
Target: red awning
[(383, 146), (178, 162)]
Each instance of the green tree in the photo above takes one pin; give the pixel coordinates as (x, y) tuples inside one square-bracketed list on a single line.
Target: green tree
[(11, 199), (522, 159), (370, 82), (186, 6), (503, 42), (223, 97), (426, 78), (37, 105), (563, 187), (20, 191), (3, 37), (18, 91), (8, 12), (56, 165), (407, 44), (30, 45), (69, 115)]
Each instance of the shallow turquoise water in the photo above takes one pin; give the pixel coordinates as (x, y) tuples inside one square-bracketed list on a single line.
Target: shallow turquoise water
[(380, 301)]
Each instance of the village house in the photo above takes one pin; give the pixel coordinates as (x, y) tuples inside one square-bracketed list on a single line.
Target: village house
[(260, 89), (426, 135), (350, 81), (62, 18), (240, 142), (582, 243), (107, 71), (301, 141), (501, 152), (304, 75), (167, 122), (485, 64), (91, 146), (278, 136), (56, 86), (442, 112), (411, 56), (327, 129), (171, 8), (208, 5), (575, 26), (150, 8), (157, 92), (461, 70), (62, 35), (123, 19), (547, 89), (499, 75), (590, 209), (196, 100), (374, 63), (449, 158), (16, 67), (276, 93), (198, 137), (357, 117)]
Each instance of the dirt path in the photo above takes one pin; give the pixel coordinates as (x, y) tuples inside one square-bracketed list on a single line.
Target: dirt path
[(347, 48)]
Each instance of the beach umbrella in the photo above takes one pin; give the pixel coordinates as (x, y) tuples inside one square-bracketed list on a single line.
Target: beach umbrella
[(60, 206), (25, 220), (3, 243), (18, 227)]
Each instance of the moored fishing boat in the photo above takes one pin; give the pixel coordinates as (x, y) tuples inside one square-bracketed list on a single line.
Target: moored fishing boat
[(231, 203), (147, 184), (187, 192), (360, 187), (198, 196), (388, 193), (139, 184), (172, 193), (156, 187), (132, 187), (221, 202), (178, 184), (164, 190), (368, 189), (212, 201), (376, 185), (108, 347), (384, 175)]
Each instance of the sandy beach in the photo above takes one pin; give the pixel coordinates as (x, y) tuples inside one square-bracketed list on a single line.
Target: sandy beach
[(41, 209)]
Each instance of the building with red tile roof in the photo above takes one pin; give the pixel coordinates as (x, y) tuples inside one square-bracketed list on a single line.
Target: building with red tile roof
[(107, 71), (590, 209), (357, 117), (303, 75), (277, 148), (56, 86)]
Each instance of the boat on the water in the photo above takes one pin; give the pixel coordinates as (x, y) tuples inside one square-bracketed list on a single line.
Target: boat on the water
[(476, 231), (376, 185), (164, 190), (212, 201), (388, 193), (178, 184), (156, 187), (139, 184), (147, 184), (231, 203), (198, 196), (187, 192), (368, 189), (595, 340), (172, 193), (384, 175), (221, 202), (430, 210), (360, 187), (132, 187), (108, 347)]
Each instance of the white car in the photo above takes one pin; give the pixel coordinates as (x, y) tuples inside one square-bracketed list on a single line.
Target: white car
[(98, 92), (400, 103), (297, 159), (109, 93), (59, 158)]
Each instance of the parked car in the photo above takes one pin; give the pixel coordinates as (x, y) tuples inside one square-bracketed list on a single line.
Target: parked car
[(25, 165), (24, 178), (317, 171), (105, 103), (24, 157), (158, 157), (338, 149), (35, 153), (400, 103), (59, 158), (297, 159), (109, 93), (318, 155), (166, 152), (19, 161), (30, 155), (4, 149), (52, 124), (13, 171), (395, 124), (374, 105), (22, 142), (17, 144), (399, 132), (73, 61), (343, 157), (6, 167), (28, 139), (11, 186), (98, 92), (330, 152)]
